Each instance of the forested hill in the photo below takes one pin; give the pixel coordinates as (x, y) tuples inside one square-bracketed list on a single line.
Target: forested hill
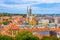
[(9, 14)]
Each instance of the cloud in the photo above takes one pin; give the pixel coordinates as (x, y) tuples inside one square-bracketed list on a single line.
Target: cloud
[(31, 1), (18, 5), (39, 10), (24, 3)]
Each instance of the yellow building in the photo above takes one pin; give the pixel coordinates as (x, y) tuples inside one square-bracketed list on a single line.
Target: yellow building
[(32, 22)]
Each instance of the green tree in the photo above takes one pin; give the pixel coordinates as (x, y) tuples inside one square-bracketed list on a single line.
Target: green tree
[(50, 38), (5, 23), (5, 37), (54, 38), (58, 38), (26, 36), (46, 38)]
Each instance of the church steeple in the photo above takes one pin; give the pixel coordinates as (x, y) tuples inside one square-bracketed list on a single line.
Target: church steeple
[(29, 11)]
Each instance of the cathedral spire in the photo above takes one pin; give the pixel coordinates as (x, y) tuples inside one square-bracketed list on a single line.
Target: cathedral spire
[(29, 11)]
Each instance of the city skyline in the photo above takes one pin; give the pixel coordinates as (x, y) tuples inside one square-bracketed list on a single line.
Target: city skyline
[(37, 6)]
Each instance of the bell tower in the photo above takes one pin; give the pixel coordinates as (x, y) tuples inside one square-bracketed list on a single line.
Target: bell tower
[(29, 11)]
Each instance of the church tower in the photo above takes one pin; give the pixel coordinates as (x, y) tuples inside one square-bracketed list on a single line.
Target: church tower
[(30, 16), (29, 11)]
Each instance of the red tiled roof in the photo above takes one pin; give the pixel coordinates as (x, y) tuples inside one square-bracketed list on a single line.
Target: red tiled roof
[(5, 29), (14, 27), (1, 21)]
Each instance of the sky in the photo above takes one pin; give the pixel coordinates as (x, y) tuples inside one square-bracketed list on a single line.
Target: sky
[(37, 6)]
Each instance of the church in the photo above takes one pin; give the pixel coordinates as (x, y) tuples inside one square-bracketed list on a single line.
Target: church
[(30, 18)]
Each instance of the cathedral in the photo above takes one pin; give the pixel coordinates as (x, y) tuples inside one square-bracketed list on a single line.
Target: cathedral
[(31, 18)]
